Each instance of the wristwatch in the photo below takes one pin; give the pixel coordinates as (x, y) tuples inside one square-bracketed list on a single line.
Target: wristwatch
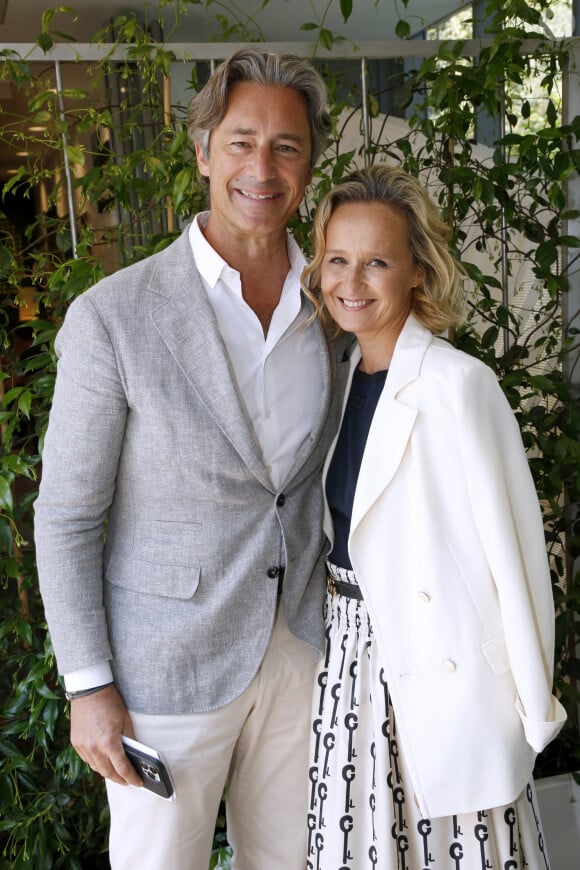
[(82, 693)]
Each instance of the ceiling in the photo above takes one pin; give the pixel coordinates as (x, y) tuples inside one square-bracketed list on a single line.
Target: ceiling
[(279, 21)]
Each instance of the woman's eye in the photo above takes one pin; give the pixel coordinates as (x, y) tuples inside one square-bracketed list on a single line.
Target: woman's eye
[(377, 262)]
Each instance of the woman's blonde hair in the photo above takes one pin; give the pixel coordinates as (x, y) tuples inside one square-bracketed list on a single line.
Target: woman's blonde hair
[(436, 301)]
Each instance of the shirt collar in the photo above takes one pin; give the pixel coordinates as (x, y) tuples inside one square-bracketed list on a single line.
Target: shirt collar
[(209, 263), (212, 267)]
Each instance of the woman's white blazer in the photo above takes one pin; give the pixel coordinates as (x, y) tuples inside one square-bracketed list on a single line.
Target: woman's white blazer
[(447, 544)]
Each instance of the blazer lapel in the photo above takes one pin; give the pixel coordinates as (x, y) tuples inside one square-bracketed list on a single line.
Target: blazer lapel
[(388, 438), (392, 423), (188, 326), (345, 371), (334, 376), (393, 420)]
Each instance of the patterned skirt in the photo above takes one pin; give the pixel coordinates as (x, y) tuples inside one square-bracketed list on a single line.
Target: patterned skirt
[(362, 812)]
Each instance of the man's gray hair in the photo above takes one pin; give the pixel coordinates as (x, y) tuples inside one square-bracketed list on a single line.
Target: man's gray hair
[(209, 105)]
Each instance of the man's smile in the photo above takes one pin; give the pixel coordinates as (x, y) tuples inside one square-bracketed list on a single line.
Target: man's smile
[(258, 196)]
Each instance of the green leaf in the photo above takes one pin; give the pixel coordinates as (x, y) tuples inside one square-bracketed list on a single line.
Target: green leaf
[(18, 465), (40, 100), (552, 114), (6, 537), (6, 494), (44, 40), (182, 185), (47, 17), (13, 182), (402, 29), (542, 383), (502, 315), (346, 9), (11, 568), (459, 175), (490, 336), (63, 240), (25, 631), (7, 262), (549, 134), (75, 94), (140, 51), (76, 154), (569, 241), (326, 38), (68, 37), (11, 394)]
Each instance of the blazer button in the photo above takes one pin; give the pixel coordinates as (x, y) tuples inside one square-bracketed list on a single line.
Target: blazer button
[(281, 500), (449, 665), (424, 597), (273, 572)]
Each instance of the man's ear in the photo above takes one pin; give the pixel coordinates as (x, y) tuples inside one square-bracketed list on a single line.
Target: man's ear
[(202, 163)]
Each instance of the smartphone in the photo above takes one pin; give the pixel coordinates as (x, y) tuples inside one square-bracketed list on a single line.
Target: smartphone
[(150, 767)]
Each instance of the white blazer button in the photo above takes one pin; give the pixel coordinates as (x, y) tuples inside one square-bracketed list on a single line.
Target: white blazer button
[(424, 597), (449, 665)]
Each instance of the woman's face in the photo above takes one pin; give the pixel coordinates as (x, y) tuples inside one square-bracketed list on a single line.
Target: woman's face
[(368, 272)]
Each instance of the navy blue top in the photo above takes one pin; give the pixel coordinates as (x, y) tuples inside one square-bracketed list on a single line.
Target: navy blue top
[(345, 464)]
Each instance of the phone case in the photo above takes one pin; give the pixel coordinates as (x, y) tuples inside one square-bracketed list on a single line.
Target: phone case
[(150, 767)]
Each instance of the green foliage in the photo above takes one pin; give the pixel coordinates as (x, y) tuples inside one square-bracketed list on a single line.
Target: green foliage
[(136, 183), (58, 814)]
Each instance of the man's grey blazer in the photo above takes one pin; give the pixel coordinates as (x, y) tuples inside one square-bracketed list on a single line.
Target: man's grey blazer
[(150, 448)]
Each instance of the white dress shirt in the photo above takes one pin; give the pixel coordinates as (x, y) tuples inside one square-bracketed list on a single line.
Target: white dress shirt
[(279, 375)]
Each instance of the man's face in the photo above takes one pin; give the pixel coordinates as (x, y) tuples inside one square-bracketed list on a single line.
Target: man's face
[(259, 163)]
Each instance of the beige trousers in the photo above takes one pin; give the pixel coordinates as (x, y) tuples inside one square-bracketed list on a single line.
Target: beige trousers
[(257, 745)]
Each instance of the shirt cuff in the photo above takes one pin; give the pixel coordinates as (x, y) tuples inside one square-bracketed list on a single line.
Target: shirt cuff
[(88, 678)]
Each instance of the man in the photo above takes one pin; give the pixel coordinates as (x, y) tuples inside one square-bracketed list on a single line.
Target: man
[(191, 415)]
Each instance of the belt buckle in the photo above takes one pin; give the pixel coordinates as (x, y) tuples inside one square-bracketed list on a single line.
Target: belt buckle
[(331, 585)]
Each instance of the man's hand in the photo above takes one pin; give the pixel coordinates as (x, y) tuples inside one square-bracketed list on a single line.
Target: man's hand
[(97, 722)]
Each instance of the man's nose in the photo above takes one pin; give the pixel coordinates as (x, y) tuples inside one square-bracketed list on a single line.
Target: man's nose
[(263, 163)]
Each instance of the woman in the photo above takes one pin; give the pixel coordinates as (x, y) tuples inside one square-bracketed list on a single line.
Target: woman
[(435, 694)]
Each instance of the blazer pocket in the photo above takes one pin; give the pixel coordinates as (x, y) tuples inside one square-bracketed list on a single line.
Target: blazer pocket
[(145, 578), (496, 654), (161, 558)]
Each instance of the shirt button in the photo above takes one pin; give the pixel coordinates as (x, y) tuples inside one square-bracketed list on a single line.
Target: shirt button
[(273, 572), (281, 500), (424, 597), (449, 665)]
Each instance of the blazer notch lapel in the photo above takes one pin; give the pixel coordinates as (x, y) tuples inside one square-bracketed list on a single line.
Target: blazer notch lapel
[(334, 376), (410, 350), (386, 444), (198, 349), (392, 423)]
